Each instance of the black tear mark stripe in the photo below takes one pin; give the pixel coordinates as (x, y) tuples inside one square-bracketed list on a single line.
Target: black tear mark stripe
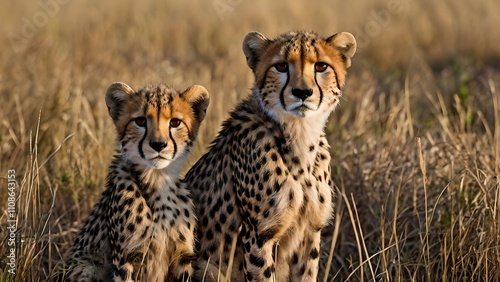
[(282, 92), (336, 77), (316, 78), (139, 147), (144, 110), (319, 87), (173, 142)]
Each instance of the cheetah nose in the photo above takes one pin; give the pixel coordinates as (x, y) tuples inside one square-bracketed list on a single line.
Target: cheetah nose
[(157, 145), (302, 94)]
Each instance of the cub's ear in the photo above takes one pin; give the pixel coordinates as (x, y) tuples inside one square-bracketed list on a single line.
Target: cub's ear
[(345, 43), (199, 99), (116, 94), (253, 45)]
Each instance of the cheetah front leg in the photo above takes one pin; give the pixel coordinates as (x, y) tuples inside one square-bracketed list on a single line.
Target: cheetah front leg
[(129, 237), (182, 268), (258, 258), (305, 263), (123, 273), (260, 240)]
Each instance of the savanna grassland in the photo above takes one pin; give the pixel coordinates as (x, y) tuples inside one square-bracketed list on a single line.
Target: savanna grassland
[(415, 141)]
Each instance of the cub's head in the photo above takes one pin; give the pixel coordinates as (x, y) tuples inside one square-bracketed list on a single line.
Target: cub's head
[(156, 124), (299, 73)]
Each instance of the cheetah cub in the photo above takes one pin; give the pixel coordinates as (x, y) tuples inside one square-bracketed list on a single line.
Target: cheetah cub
[(142, 228), (265, 180)]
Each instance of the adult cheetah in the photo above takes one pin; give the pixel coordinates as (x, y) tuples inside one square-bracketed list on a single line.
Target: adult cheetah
[(142, 228), (265, 180)]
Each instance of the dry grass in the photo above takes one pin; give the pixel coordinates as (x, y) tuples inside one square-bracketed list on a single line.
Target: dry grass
[(415, 143)]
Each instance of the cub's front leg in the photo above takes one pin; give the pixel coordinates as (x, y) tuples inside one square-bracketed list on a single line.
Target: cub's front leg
[(130, 236)]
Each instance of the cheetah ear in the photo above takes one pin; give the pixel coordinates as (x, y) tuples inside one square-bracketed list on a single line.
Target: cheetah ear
[(345, 43), (253, 45), (199, 99), (116, 94)]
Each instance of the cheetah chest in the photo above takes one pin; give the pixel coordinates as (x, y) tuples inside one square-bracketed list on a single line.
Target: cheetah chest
[(314, 180), (171, 221)]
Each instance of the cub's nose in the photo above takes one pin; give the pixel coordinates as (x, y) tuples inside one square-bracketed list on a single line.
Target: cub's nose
[(302, 94), (157, 145)]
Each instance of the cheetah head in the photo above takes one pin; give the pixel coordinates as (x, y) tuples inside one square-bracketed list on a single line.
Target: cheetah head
[(299, 73), (157, 124)]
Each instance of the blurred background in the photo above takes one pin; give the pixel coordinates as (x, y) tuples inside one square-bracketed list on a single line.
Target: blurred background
[(415, 141)]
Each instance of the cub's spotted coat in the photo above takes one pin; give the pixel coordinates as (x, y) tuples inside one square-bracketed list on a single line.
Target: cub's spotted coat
[(265, 181), (142, 228)]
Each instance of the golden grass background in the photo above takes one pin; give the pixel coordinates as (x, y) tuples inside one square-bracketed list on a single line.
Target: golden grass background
[(415, 141)]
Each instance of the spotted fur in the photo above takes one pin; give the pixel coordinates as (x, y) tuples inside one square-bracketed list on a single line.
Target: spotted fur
[(142, 228), (265, 180)]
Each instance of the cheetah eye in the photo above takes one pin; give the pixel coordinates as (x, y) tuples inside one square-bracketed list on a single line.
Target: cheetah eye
[(140, 121), (320, 67), (281, 67), (175, 122)]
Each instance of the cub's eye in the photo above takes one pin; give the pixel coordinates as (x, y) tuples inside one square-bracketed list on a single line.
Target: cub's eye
[(140, 121), (281, 67), (175, 122), (320, 67)]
